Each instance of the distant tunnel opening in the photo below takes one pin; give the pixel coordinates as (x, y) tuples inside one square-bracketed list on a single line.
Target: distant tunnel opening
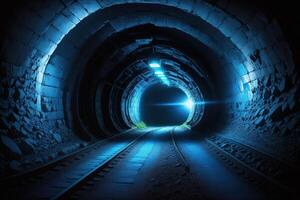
[(164, 106)]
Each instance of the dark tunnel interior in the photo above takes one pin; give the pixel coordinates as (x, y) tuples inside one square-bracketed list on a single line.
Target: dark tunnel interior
[(214, 83), (164, 106)]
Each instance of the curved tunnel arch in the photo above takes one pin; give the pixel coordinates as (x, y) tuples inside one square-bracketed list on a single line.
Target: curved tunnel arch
[(146, 22), (130, 107), (143, 53), (236, 57)]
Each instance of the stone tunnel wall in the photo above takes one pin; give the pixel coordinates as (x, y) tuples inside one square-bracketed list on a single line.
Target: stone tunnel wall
[(32, 112)]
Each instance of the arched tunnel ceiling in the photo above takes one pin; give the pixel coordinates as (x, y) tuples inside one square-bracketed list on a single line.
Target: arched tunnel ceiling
[(65, 66)]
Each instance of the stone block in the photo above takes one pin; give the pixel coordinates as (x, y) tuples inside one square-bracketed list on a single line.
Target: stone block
[(73, 18), (55, 115), (53, 34), (106, 3), (240, 39), (186, 5), (54, 71), (63, 24), (90, 5), (46, 104), (202, 8), (59, 61), (44, 45), (49, 91), (215, 17), (229, 26), (51, 81), (78, 10)]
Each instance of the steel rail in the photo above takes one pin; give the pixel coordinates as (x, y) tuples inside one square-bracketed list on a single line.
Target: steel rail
[(64, 194)]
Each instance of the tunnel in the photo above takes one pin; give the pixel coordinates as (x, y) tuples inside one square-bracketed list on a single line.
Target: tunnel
[(149, 99)]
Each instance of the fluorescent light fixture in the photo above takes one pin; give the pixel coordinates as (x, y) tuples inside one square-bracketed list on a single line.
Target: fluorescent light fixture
[(154, 65), (159, 72)]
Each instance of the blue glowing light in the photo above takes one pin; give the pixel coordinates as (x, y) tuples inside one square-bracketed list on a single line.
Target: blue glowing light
[(145, 150), (189, 104), (165, 81), (154, 65), (159, 72)]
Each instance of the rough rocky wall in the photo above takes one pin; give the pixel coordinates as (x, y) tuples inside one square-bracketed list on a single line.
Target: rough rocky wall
[(269, 125), (25, 127), (270, 121)]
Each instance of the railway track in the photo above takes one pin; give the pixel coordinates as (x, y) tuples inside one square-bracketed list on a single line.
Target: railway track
[(60, 178), (249, 164), (50, 165), (84, 180), (178, 152), (256, 167), (72, 175), (91, 182)]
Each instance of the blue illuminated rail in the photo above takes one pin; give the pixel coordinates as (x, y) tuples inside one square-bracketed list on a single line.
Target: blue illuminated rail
[(73, 187), (178, 152)]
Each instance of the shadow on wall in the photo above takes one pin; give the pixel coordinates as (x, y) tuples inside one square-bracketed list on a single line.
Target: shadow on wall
[(216, 117)]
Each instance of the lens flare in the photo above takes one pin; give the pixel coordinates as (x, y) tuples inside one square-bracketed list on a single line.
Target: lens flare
[(189, 104)]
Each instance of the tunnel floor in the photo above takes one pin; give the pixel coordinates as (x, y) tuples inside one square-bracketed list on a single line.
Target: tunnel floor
[(149, 163), (153, 170)]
